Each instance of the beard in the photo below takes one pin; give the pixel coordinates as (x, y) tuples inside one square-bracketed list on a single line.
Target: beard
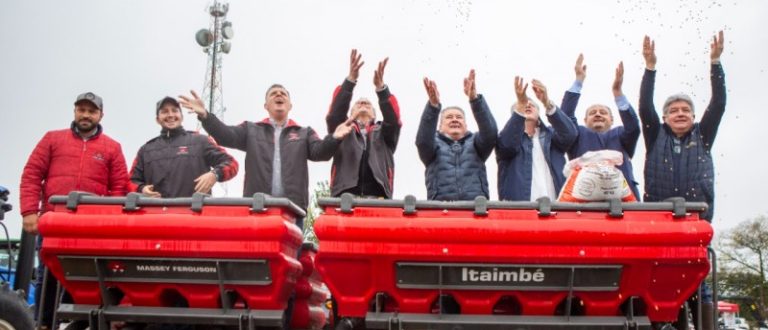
[(85, 125)]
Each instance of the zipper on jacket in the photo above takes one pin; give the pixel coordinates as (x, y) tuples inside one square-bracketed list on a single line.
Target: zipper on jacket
[(82, 157)]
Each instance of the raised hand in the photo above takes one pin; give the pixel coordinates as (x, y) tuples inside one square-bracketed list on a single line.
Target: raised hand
[(469, 85), (432, 92), (541, 93), (618, 80), (194, 104), (717, 47), (378, 74), (649, 53), (520, 91), (344, 129), (149, 190), (355, 62), (580, 68)]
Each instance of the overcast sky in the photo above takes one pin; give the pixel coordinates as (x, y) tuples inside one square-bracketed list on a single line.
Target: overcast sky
[(132, 53)]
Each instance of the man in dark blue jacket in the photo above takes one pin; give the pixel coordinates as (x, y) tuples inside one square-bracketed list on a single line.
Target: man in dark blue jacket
[(598, 133), (678, 160), (454, 157), (531, 156)]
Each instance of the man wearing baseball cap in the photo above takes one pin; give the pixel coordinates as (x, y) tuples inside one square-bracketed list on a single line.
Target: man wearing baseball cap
[(178, 163), (79, 158)]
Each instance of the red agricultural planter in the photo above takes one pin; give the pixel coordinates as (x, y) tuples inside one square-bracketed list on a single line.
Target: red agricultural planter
[(403, 264), (199, 260)]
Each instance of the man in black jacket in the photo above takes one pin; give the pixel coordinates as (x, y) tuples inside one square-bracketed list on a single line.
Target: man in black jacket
[(179, 163), (364, 163)]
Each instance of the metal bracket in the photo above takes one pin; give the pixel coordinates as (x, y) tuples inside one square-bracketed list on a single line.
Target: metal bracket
[(132, 202), (257, 206), (409, 205), (481, 206), (198, 202), (545, 206), (678, 207), (347, 203), (73, 199), (615, 209)]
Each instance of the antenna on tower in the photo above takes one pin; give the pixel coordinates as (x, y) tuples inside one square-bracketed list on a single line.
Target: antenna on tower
[(215, 41)]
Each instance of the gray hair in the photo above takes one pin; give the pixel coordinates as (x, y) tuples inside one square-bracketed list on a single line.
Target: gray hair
[(678, 97), (449, 108)]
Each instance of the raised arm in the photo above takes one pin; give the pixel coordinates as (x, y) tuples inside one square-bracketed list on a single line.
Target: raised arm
[(390, 109), (710, 121), (228, 136), (648, 116), (630, 131), (564, 129), (571, 97), (425, 136), (342, 96), (487, 130), (510, 138)]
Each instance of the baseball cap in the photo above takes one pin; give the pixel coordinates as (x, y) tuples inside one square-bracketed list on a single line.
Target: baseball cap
[(165, 100), (90, 97)]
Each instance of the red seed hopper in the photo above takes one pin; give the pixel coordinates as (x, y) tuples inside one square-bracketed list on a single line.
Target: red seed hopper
[(491, 265)]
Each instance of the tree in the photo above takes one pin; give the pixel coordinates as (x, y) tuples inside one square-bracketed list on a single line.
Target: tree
[(743, 254), (322, 189)]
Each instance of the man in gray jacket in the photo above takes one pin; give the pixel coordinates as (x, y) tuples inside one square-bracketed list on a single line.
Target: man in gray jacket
[(364, 163), (276, 148)]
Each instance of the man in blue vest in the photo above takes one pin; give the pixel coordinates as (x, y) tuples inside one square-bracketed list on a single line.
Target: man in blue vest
[(678, 161), (454, 157), (598, 133)]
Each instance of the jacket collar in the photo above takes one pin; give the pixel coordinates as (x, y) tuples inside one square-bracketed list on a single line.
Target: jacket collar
[(289, 123), (168, 133), (673, 135), (93, 135), (448, 139)]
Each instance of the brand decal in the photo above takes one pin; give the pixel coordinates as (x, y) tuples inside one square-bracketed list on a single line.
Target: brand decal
[(183, 150), (494, 275)]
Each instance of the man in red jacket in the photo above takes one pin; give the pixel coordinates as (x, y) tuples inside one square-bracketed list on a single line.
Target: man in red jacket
[(80, 158)]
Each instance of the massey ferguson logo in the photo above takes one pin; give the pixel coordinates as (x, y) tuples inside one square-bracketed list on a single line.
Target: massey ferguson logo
[(183, 150), (494, 275)]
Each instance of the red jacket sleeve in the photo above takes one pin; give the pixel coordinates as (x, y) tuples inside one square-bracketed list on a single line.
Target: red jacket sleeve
[(35, 172), (118, 174)]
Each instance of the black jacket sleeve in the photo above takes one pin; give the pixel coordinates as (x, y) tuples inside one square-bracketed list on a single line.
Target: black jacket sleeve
[(224, 165), (228, 136), (487, 129), (710, 121), (320, 149), (137, 171), (390, 110), (648, 116), (342, 98), (425, 136)]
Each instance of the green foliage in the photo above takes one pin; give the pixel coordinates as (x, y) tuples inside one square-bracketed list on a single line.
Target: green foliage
[(742, 257), (322, 189)]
